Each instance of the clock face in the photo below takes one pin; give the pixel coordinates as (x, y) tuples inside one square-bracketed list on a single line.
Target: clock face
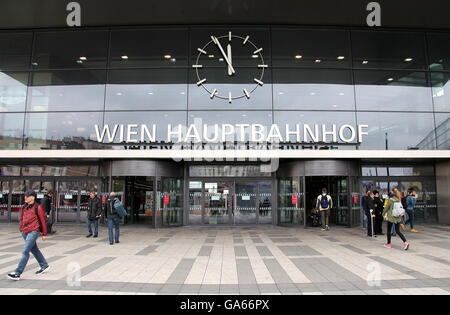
[(223, 47)]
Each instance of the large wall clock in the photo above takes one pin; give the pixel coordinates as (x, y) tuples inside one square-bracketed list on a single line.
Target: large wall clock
[(223, 46)]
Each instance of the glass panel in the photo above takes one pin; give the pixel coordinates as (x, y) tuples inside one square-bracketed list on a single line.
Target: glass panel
[(9, 170), (195, 203), (11, 131), (146, 89), (70, 49), (443, 131), (67, 91), (170, 195), (355, 201), (13, 91), (265, 202), (149, 48), (340, 194), (231, 117), (86, 187), (392, 50), (160, 119), (321, 118), (439, 51), (392, 91), (397, 131), (62, 130), (441, 91), (245, 203), (140, 203), (316, 89), (374, 171), (426, 170), (15, 50), (310, 48), (18, 199), (291, 201), (228, 171), (259, 97), (4, 195), (67, 201), (218, 196), (429, 200)]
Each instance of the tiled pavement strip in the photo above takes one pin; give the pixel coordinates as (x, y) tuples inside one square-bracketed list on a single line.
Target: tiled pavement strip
[(230, 260)]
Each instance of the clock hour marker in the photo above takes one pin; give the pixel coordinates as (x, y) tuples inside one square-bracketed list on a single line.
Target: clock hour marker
[(259, 82), (246, 93), (229, 97), (229, 36), (202, 51), (263, 66), (246, 40), (197, 66), (257, 51), (213, 93), (201, 82)]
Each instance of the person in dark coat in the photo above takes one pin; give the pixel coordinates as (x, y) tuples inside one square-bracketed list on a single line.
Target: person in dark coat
[(370, 212), (379, 209), (94, 213), (47, 203)]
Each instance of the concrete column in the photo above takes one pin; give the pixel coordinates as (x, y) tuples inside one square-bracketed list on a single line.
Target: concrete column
[(442, 190)]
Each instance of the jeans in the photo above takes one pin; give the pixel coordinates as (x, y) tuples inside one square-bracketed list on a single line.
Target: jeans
[(30, 246), (410, 213), (113, 223), (363, 218), (89, 224)]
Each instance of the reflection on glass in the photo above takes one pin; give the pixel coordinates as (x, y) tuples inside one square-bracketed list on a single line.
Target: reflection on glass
[(170, 201), (265, 202), (11, 131), (13, 91), (397, 131), (4, 195), (17, 199), (392, 91), (70, 49), (149, 89), (391, 50), (195, 202), (218, 202), (67, 91), (310, 48), (443, 131), (290, 201), (245, 203), (67, 201), (441, 91), (15, 50), (316, 89), (439, 51), (61, 130)]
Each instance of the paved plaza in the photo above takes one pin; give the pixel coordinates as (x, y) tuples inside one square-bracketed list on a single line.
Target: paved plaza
[(231, 260)]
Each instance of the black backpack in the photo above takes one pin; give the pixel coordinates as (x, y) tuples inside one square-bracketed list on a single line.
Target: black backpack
[(404, 202)]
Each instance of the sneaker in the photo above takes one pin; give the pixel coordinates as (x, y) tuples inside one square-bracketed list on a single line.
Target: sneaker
[(322, 229), (88, 235), (406, 246), (388, 245), (42, 270), (95, 236), (111, 243), (13, 276), (327, 228), (394, 235), (117, 242), (414, 231)]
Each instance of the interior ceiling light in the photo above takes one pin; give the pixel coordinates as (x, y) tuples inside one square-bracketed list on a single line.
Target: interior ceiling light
[(298, 57), (167, 56)]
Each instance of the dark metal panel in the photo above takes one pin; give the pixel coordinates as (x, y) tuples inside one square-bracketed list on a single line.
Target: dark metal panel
[(442, 189), (319, 168), (144, 168), (52, 13)]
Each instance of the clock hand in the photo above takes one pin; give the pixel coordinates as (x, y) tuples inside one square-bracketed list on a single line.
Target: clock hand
[(230, 72), (216, 41)]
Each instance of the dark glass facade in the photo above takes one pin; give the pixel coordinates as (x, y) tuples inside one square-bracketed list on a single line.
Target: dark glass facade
[(56, 85)]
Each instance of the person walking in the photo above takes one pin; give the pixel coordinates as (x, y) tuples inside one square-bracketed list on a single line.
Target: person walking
[(388, 214), (94, 213), (112, 218), (32, 223), (379, 208), (370, 213), (410, 204), (47, 203), (325, 204)]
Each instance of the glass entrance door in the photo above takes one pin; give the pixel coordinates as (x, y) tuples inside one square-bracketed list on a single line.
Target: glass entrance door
[(4, 196), (265, 202), (245, 210), (67, 201), (17, 199), (217, 196)]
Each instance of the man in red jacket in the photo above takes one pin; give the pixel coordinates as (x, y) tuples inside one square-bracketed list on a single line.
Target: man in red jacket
[(31, 226)]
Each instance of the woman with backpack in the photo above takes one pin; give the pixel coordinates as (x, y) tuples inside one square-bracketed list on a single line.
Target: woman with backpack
[(392, 214)]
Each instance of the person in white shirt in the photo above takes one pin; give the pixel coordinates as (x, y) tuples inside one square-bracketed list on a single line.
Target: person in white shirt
[(324, 204)]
